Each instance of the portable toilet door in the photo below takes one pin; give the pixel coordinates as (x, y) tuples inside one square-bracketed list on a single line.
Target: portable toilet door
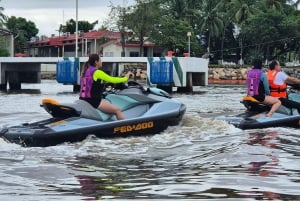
[(67, 71)]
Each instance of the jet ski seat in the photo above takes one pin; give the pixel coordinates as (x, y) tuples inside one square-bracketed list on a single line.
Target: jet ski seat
[(88, 111), (253, 104), (84, 109)]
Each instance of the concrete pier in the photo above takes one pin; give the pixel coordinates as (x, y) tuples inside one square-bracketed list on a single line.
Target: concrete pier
[(17, 70), (187, 72)]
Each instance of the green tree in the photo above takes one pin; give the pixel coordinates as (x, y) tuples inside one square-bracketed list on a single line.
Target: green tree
[(242, 10), (24, 30), (117, 21), (70, 26), (178, 9), (289, 28), (166, 34), (227, 36), (276, 5), (264, 29), (244, 27), (210, 21), (4, 52), (272, 33), (142, 19), (2, 16)]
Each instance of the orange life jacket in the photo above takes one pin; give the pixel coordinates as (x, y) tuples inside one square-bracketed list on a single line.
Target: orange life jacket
[(276, 90)]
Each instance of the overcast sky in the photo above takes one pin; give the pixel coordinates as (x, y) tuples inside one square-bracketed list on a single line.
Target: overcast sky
[(49, 14)]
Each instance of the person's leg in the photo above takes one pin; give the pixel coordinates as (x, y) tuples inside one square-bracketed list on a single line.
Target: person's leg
[(107, 107), (275, 102)]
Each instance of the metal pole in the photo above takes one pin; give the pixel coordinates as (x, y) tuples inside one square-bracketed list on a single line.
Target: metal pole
[(86, 47), (189, 34), (95, 46), (76, 34), (189, 46)]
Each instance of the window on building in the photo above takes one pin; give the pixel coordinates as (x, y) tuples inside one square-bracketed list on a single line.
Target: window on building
[(134, 54), (108, 54)]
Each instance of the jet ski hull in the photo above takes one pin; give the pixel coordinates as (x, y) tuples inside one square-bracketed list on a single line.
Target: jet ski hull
[(53, 131), (255, 116), (248, 120), (150, 114)]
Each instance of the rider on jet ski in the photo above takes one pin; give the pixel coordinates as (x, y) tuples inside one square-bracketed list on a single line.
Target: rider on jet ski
[(91, 86), (278, 85), (258, 87)]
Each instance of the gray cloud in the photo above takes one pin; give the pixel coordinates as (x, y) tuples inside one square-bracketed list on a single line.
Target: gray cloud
[(61, 4), (49, 14)]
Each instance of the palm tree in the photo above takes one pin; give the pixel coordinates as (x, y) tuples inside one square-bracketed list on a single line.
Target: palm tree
[(2, 16), (178, 8), (227, 18), (296, 3), (210, 20), (242, 10), (276, 5)]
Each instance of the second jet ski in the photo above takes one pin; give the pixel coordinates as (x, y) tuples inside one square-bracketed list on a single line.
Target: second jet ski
[(255, 114)]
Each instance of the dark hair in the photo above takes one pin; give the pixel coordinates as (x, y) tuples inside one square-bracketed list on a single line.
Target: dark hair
[(91, 62), (92, 59), (257, 63), (273, 64)]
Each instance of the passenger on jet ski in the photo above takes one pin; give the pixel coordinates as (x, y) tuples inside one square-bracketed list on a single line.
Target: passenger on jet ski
[(92, 86), (258, 87), (278, 85)]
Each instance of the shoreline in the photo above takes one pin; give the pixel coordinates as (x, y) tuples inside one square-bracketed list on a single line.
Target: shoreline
[(228, 81), (52, 76)]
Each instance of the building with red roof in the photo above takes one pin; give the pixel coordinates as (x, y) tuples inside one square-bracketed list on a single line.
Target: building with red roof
[(104, 42)]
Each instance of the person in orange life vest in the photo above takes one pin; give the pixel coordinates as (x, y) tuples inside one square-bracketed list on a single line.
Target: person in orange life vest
[(278, 84), (91, 86), (258, 87)]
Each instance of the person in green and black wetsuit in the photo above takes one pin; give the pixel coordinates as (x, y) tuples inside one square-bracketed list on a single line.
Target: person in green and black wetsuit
[(91, 87)]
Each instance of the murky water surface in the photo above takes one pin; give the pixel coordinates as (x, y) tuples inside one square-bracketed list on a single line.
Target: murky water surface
[(200, 159)]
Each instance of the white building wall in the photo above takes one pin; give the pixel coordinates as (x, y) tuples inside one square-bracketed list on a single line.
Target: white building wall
[(112, 51)]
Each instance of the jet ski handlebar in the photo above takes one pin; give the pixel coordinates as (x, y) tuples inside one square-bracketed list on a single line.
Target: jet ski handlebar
[(293, 88), (113, 88)]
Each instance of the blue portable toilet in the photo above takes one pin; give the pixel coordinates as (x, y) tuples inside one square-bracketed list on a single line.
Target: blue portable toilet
[(161, 72), (67, 71)]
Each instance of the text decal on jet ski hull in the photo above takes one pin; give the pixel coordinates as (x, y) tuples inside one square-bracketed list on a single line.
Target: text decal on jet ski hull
[(134, 127)]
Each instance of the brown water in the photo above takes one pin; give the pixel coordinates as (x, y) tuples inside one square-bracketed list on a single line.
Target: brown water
[(200, 159)]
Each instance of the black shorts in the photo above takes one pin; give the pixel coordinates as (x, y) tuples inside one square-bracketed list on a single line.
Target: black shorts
[(94, 102), (260, 98)]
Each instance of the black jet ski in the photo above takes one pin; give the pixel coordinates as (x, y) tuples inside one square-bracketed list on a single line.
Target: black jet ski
[(146, 110), (255, 114)]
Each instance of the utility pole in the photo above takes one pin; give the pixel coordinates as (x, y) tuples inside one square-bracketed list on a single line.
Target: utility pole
[(76, 31)]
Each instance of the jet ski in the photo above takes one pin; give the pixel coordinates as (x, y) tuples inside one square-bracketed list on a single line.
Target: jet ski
[(255, 115), (147, 110)]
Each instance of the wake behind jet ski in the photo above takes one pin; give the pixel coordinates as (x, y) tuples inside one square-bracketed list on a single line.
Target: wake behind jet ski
[(255, 114), (146, 110)]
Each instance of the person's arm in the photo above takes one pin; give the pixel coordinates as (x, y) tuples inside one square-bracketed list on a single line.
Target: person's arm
[(292, 80), (264, 79), (99, 74)]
